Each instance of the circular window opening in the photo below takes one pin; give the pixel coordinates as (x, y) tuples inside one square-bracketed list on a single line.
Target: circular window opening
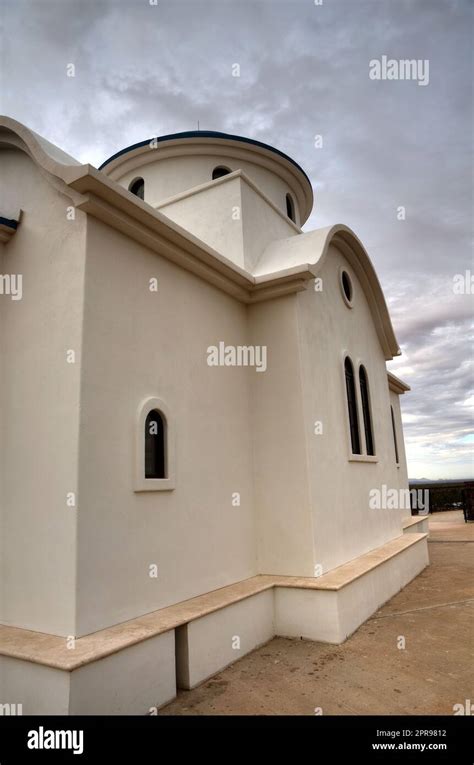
[(347, 286)]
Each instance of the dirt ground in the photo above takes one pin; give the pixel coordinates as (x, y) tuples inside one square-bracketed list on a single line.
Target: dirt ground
[(369, 673)]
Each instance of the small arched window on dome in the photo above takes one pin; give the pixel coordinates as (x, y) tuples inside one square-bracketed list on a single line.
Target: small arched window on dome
[(220, 171), (290, 208), (137, 187)]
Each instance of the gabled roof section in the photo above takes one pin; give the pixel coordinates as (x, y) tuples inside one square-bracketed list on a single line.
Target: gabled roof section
[(311, 249)]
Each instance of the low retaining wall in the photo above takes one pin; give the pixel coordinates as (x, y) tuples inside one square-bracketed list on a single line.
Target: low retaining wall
[(136, 666)]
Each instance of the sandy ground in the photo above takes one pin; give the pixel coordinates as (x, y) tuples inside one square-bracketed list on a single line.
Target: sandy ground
[(369, 673)]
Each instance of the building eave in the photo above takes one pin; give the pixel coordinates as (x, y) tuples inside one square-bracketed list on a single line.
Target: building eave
[(114, 205), (396, 385)]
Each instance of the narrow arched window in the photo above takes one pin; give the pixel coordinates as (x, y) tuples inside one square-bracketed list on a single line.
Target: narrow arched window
[(352, 406), (219, 172), (155, 437), (394, 430), (137, 187), (365, 399), (290, 208)]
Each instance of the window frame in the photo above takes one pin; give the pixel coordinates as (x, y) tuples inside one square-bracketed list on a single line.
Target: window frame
[(353, 453), (362, 367), (154, 484)]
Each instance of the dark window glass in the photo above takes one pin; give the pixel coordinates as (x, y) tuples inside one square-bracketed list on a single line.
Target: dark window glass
[(364, 395), (394, 434), (347, 285), (219, 172), (138, 188), (352, 406), (155, 445), (290, 208)]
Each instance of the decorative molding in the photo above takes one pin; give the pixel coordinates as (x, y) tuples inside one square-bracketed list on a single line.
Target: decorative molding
[(396, 385)]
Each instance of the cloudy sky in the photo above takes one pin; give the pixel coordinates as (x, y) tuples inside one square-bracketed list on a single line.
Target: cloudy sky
[(151, 67)]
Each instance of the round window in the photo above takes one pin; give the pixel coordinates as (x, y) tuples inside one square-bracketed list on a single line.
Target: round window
[(346, 284)]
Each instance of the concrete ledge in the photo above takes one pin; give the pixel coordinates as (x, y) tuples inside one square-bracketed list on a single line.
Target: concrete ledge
[(340, 577), (136, 665), (207, 645), (416, 524), (52, 651), (332, 615), (131, 682)]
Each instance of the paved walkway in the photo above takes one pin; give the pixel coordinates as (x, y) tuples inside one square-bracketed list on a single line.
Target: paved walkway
[(369, 673)]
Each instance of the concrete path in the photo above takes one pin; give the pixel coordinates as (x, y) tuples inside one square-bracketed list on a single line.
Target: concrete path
[(371, 673)]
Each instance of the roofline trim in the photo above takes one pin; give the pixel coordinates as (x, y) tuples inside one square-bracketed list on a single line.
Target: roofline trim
[(396, 385), (106, 200), (206, 134)]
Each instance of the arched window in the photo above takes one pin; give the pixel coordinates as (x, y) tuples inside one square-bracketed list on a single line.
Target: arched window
[(365, 399), (290, 208), (155, 435), (394, 435), (154, 453), (219, 172), (352, 406), (137, 187)]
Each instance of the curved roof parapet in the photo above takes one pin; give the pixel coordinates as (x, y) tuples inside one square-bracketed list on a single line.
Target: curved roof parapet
[(260, 153), (311, 249), (45, 153)]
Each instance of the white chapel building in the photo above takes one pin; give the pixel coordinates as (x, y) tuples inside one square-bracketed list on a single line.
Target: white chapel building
[(194, 411)]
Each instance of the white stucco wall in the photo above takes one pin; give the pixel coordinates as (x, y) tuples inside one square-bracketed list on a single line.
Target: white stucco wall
[(233, 218), (280, 461), (138, 344), (396, 401), (261, 225), (71, 427), (210, 215), (344, 526), (40, 401)]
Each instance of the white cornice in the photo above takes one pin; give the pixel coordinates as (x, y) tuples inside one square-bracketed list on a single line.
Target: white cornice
[(396, 385)]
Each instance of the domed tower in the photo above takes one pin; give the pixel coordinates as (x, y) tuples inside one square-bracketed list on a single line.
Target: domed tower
[(233, 193)]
